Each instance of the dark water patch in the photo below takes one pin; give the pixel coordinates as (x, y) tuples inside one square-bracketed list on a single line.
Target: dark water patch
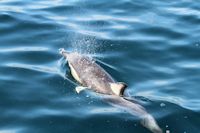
[(39, 57), (191, 19), (62, 9), (161, 31), (188, 52), (6, 18)]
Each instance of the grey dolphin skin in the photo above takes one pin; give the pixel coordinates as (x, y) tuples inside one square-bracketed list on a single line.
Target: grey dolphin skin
[(89, 74)]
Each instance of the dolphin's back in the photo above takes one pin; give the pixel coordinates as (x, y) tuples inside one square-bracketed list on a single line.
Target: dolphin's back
[(89, 73)]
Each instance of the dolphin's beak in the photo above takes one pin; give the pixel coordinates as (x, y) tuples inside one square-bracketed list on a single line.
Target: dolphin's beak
[(61, 50)]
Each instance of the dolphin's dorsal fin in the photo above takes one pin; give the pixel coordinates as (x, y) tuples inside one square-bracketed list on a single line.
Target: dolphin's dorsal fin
[(118, 88)]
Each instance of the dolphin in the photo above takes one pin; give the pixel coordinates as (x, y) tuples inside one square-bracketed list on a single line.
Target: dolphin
[(90, 75)]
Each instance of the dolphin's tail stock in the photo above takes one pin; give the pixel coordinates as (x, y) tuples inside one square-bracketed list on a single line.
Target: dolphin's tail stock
[(149, 122), (135, 109)]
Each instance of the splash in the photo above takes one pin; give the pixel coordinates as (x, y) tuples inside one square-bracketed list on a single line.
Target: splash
[(84, 44)]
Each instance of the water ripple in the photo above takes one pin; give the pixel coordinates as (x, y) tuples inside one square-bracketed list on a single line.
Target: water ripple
[(153, 46)]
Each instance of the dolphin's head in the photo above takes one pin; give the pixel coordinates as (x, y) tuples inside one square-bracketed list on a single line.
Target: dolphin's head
[(63, 52)]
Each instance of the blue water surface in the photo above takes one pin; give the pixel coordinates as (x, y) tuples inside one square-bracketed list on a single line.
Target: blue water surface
[(151, 45)]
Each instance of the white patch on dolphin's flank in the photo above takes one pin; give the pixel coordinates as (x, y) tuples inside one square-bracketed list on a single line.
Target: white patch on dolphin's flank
[(117, 88), (74, 73)]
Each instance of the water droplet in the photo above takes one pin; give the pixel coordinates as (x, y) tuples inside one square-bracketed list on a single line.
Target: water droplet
[(107, 121), (167, 131), (162, 105)]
